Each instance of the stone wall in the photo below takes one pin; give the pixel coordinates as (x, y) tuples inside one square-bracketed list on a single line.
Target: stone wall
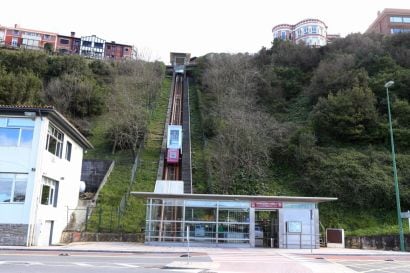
[(70, 237), (13, 234), (387, 242)]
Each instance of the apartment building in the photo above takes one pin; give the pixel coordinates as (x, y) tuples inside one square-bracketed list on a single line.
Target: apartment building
[(18, 37), (312, 32), (391, 21), (88, 46), (116, 51)]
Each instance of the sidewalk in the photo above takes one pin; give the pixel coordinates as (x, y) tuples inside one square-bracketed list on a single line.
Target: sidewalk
[(124, 247)]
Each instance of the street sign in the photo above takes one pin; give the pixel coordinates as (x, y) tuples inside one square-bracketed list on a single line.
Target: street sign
[(405, 214)]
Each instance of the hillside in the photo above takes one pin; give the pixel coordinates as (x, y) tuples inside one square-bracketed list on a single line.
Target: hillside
[(288, 120), (293, 120)]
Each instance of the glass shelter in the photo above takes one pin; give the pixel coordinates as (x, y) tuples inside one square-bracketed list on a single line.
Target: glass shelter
[(232, 220)]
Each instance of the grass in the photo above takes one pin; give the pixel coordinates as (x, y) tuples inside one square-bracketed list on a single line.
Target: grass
[(107, 217), (199, 171)]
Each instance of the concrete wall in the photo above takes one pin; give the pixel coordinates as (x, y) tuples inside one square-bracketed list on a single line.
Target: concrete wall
[(93, 173), (387, 242), (13, 234)]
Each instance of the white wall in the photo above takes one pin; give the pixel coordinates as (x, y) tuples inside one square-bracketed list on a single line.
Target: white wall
[(299, 240), (68, 174)]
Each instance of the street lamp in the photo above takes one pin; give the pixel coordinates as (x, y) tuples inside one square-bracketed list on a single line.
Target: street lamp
[(396, 182)]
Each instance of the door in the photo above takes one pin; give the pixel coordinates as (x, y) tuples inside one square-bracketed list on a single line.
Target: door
[(46, 234)]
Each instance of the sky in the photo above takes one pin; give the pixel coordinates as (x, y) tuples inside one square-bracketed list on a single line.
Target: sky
[(157, 27)]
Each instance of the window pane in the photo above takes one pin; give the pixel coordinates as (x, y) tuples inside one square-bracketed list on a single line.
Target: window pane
[(200, 214), (68, 151), (406, 19), (26, 137), (20, 122), (3, 122), (20, 191), (5, 188), (45, 195), (52, 145), (9, 136)]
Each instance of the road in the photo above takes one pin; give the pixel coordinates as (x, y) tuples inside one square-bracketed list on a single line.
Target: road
[(201, 261), (78, 262)]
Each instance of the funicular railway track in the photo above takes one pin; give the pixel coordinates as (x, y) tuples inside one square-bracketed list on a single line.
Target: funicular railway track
[(172, 170)]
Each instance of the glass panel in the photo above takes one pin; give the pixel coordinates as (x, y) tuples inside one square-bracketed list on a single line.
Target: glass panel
[(396, 19), (20, 191), (45, 195), (3, 122), (6, 183), (52, 145), (233, 233), (200, 214), (202, 231), (200, 203), (26, 137), (233, 204), (68, 151), (299, 205), (20, 122), (406, 19), (234, 215), (9, 136)]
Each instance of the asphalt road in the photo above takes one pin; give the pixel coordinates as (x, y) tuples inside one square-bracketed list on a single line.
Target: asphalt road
[(74, 262), (208, 261)]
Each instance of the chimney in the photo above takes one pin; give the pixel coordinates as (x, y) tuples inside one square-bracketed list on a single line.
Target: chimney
[(72, 33), (378, 13), (16, 26)]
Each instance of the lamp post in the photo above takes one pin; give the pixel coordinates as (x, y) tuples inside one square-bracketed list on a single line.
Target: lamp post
[(396, 182)]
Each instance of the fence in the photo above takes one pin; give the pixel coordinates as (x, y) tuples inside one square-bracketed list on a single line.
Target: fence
[(98, 219)]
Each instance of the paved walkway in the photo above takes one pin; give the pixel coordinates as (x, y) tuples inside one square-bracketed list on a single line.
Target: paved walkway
[(250, 260)]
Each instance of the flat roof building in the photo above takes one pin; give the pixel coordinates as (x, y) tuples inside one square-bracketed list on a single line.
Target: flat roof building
[(232, 220), (391, 21)]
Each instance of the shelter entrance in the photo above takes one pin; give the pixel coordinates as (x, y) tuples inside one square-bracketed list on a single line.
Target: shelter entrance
[(266, 228)]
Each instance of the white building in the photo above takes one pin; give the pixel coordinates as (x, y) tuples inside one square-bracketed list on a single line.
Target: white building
[(41, 154), (92, 46), (312, 32)]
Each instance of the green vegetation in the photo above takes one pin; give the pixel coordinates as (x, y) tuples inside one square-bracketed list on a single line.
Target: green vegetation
[(307, 121), (289, 120)]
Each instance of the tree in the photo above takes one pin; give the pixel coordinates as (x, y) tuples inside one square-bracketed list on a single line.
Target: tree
[(19, 88), (346, 116)]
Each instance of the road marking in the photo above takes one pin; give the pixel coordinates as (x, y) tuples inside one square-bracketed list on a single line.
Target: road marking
[(84, 264), (128, 265)]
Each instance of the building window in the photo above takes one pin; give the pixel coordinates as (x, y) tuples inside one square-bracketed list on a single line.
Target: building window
[(314, 29), (16, 132), (283, 35), (49, 192), (108, 47), (406, 19), (68, 151), (16, 32), (55, 140), (305, 30), (13, 187), (64, 41), (126, 49), (87, 43), (98, 45), (395, 19)]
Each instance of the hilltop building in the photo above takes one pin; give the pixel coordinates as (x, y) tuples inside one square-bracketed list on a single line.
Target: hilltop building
[(312, 32), (41, 155), (88, 46), (391, 21)]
